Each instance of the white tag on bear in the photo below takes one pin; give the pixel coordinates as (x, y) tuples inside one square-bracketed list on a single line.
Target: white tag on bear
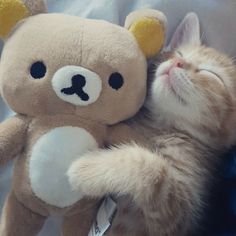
[(104, 217)]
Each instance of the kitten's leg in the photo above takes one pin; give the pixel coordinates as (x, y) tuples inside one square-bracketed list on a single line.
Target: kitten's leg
[(18, 220), (168, 192), (123, 170)]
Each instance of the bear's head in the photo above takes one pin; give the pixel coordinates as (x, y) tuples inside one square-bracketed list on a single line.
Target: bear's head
[(59, 64)]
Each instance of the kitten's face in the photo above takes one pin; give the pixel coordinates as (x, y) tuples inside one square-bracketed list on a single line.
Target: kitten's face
[(196, 84), (195, 89)]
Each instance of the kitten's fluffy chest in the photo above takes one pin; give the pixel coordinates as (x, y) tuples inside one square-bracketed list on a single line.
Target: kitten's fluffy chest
[(167, 141), (158, 138)]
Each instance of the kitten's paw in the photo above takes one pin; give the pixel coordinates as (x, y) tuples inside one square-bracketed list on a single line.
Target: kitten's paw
[(83, 177)]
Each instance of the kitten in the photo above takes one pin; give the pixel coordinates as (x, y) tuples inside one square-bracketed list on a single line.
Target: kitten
[(189, 121)]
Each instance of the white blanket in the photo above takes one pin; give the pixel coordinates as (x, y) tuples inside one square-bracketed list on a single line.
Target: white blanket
[(218, 22)]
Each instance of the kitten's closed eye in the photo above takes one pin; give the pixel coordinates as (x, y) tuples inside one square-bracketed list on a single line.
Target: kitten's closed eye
[(210, 73)]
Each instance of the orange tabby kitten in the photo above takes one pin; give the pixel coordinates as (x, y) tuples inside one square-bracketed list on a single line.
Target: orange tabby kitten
[(163, 182)]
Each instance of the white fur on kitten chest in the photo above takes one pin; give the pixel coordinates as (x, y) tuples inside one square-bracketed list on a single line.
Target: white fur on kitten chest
[(51, 157)]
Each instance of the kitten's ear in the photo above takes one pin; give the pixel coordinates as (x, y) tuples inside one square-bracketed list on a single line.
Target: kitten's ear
[(187, 33)]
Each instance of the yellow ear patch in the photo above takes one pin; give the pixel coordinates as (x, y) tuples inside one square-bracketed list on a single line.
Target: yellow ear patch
[(11, 12), (150, 35)]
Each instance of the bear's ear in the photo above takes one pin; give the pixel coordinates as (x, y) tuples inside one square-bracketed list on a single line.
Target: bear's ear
[(12, 11), (149, 28)]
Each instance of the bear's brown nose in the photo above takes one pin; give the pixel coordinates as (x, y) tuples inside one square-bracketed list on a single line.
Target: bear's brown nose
[(77, 85), (78, 82)]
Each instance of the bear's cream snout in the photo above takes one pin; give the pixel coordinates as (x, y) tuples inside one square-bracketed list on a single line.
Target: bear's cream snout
[(77, 85)]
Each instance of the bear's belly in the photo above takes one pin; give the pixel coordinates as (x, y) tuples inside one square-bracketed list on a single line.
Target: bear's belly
[(51, 157)]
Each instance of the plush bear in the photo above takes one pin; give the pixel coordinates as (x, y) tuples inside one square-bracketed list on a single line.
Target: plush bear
[(70, 81)]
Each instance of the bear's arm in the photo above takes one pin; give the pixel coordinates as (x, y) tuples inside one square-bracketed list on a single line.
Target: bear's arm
[(12, 137), (123, 133)]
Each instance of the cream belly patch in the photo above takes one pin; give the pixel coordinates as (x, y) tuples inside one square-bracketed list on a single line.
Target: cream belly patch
[(51, 157)]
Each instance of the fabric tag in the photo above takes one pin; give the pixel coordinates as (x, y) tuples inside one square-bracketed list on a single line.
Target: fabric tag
[(104, 217)]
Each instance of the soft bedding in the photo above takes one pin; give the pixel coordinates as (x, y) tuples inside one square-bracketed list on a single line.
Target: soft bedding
[(218, 22)]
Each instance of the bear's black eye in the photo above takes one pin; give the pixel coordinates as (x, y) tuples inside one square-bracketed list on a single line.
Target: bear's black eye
[(116, 81), (38, 70)]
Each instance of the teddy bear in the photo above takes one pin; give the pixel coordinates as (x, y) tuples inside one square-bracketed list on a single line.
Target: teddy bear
[(70, 81)]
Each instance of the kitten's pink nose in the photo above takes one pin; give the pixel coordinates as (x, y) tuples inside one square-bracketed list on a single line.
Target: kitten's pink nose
[(178, 62)]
